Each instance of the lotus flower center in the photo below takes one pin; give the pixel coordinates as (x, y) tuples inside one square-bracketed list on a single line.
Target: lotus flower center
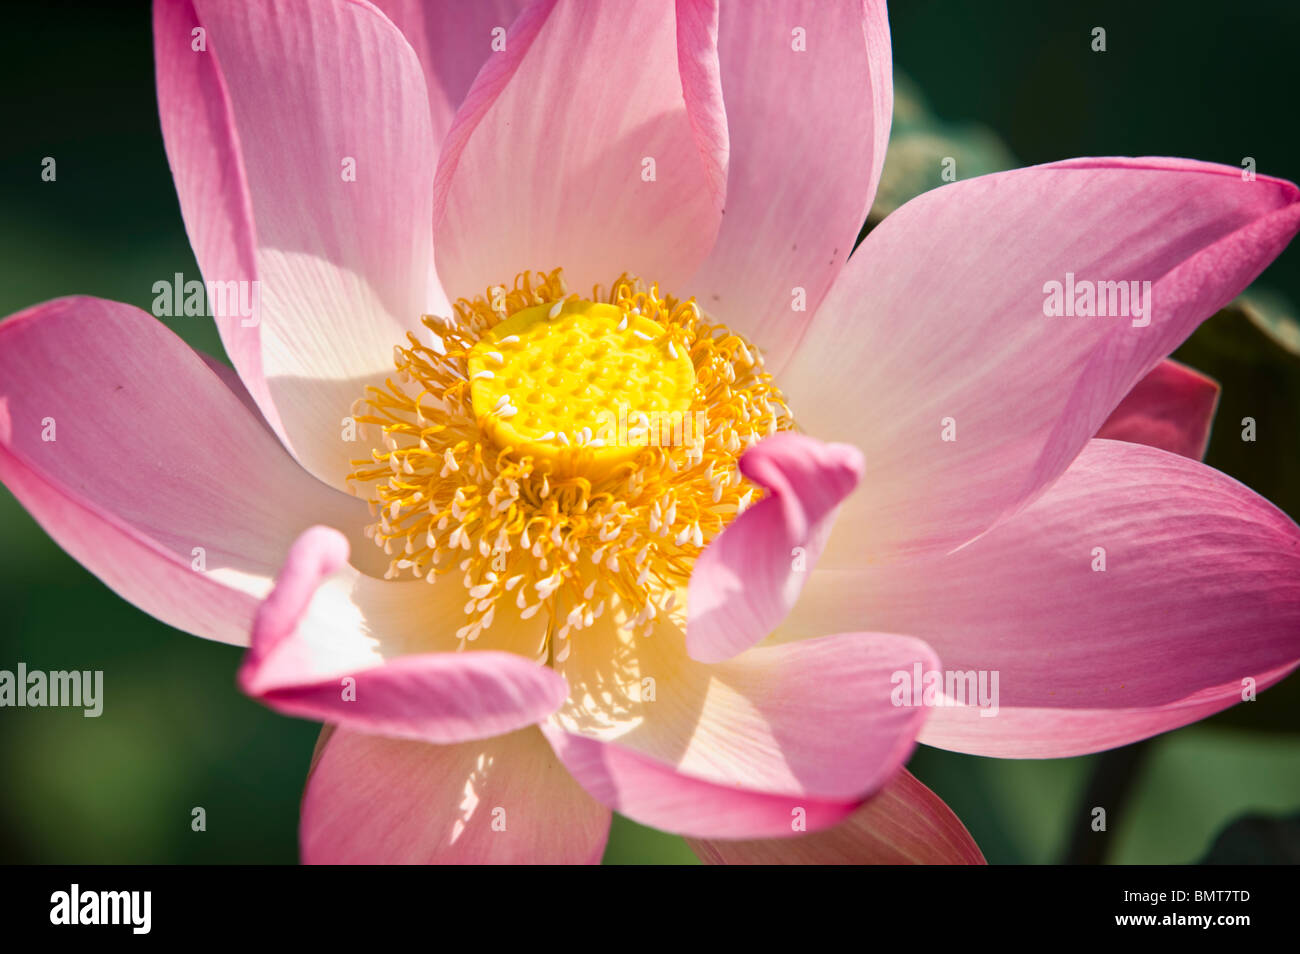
[(558, 377), (562, 458)]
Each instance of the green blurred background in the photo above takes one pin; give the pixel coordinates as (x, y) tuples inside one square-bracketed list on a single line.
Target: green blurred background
[(1015, 79)]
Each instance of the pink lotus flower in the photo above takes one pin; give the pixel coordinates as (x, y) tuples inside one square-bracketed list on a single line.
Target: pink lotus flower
[(368, 168)]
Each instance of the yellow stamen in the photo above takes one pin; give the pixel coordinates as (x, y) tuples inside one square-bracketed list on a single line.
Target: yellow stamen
[(564, 455)]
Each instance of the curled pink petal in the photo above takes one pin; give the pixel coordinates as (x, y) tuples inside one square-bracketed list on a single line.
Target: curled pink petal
[(747, 579), (311, 658)]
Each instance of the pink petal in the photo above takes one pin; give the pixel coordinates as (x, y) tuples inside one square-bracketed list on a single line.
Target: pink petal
[(453, 39), (544, 164), (940, 315), (504, 800), (333, 645), (259, 129), (773, 728), (154, 464), (808, 131), (1200, 592), (1171, 408), (652, 793), (904, 824), (230, 378), (747, 579)]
